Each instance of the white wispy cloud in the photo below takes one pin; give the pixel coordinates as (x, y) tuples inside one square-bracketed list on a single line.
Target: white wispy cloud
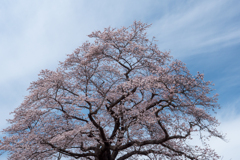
[(197, 26), (230, 120)]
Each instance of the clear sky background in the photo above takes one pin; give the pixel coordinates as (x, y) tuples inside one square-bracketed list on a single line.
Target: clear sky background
[(204, 34)]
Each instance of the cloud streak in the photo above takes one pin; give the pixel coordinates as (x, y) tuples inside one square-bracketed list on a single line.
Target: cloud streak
[(195, 27), (230, 120)]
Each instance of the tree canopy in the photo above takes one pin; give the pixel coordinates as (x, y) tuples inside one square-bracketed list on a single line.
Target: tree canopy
[(117, 98)]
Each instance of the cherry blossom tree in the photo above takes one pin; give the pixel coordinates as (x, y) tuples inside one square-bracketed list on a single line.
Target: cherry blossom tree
[(117, 98)]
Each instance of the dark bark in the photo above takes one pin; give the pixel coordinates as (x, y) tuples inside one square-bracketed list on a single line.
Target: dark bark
[(106, 155)]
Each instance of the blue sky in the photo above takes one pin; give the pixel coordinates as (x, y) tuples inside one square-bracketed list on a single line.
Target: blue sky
[(204, 34)]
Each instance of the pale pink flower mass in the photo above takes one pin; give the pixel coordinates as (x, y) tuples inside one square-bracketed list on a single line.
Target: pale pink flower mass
[(119, 97)]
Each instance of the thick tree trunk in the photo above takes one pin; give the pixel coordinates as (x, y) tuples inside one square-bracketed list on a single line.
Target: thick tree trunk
[(106, 155)]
